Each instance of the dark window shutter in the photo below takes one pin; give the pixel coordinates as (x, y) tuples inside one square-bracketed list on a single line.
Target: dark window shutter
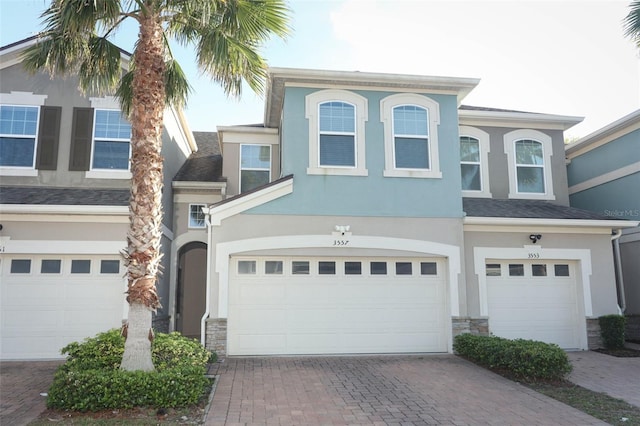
[(48, 137), (82, 127)]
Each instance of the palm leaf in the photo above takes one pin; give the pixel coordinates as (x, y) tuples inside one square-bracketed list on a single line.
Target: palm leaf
[(631, 23)]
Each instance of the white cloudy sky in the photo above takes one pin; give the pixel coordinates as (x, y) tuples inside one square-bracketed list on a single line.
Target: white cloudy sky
[(560, 57)]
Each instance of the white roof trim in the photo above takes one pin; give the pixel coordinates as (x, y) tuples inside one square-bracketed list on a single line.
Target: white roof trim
[(217, 214), (247, 129), (520, 221), (624, 125), (64, 209), (521, 119)]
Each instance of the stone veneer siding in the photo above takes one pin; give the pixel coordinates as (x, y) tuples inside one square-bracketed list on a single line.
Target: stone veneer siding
[(160, 324), (461, 325), (216, 336), (594, 337)]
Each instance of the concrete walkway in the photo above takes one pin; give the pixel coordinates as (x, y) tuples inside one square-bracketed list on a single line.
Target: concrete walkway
[(381, 390), (617, 377)]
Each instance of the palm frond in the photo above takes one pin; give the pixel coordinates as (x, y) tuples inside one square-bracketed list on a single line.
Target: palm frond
[(176, 86), (631, 23)]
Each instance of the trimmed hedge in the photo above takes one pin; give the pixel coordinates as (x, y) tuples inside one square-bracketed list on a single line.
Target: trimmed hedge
[(612, 330), (527, 360), (91, 379)]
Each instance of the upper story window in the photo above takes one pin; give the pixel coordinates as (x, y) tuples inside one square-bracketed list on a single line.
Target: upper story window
[(255, 166), (111, 141), (18, 132), (529, 157), (410, 136), (474, 168), (336, 133), (29, 134), (196, 216)]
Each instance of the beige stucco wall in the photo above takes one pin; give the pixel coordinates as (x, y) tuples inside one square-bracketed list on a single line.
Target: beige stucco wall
[(244, 226), (603, 293)]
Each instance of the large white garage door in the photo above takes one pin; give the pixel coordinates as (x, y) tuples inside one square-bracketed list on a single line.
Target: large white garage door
[(336, 305), (535, 300), (50, 301)]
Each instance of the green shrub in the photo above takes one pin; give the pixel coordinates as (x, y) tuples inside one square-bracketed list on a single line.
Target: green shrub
[(522, 359), (91, 379), (612, 331)]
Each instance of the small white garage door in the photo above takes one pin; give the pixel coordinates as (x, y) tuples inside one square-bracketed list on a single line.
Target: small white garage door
[(50, 301), (336, 305), (535, 300)]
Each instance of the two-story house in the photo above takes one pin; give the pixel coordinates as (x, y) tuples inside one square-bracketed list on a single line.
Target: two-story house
[(372, 213), (604, 176), (64, 196)]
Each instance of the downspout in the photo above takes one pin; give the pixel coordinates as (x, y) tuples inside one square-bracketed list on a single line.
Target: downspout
[(618, 265), (203, 321)]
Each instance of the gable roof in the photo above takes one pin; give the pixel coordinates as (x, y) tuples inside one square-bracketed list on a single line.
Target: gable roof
[(31, 195), (608, 133), (204, 165)]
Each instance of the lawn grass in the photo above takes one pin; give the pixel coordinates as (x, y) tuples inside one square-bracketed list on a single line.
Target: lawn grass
[(599, 405)]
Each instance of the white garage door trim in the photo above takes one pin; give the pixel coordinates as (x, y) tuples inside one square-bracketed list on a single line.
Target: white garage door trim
[(535, 300), (50, 306), (583, 256), (225, 250), (327, 308)]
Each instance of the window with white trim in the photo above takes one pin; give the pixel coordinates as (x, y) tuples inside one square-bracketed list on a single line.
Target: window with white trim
[(336, 132), (410, 136), (111, 147), (474, 157), (529, 157), (196, 216), (255, 166), (18, 135)]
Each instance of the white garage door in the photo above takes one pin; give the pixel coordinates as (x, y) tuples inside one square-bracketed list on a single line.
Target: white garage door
[(50, 301), (535, 300), (336, 305)]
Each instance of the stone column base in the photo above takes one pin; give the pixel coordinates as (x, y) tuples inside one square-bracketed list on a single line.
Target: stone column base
[(594, 337), (632, 329), (216, 336), (461, 325)]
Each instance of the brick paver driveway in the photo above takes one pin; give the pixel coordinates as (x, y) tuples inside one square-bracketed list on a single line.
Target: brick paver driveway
[(440, 390)]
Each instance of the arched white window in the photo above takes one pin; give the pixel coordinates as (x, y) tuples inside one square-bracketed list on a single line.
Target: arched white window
[(474, 167), (336, 133), (410, 136), (529, 157)]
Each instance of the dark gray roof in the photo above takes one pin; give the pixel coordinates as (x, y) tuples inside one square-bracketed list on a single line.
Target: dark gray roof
[(205, 165), (63, 196), (531, 209), (480, 108)]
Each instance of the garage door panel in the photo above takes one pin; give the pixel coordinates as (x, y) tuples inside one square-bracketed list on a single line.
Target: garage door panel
[(42, 312), (532, 307), (335, 313)]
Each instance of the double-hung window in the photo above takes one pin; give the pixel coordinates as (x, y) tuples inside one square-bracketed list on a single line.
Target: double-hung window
[(529, 157), (111, 141), (18, 132), (255, 166), (474, 156), (410, 136), (336, 132)]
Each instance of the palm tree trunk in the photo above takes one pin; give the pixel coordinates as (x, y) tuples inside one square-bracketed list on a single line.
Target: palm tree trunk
[(145, 209)]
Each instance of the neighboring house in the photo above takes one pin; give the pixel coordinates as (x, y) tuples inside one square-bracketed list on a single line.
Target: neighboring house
[(604, 177), (64, 194), (390, 218)]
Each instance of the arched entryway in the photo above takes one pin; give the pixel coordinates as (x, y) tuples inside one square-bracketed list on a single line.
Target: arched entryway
[(191, 289)]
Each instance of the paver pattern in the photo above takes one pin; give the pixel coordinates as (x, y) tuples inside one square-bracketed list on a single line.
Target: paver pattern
[(617, 377), (381, 390), (21, 386)]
